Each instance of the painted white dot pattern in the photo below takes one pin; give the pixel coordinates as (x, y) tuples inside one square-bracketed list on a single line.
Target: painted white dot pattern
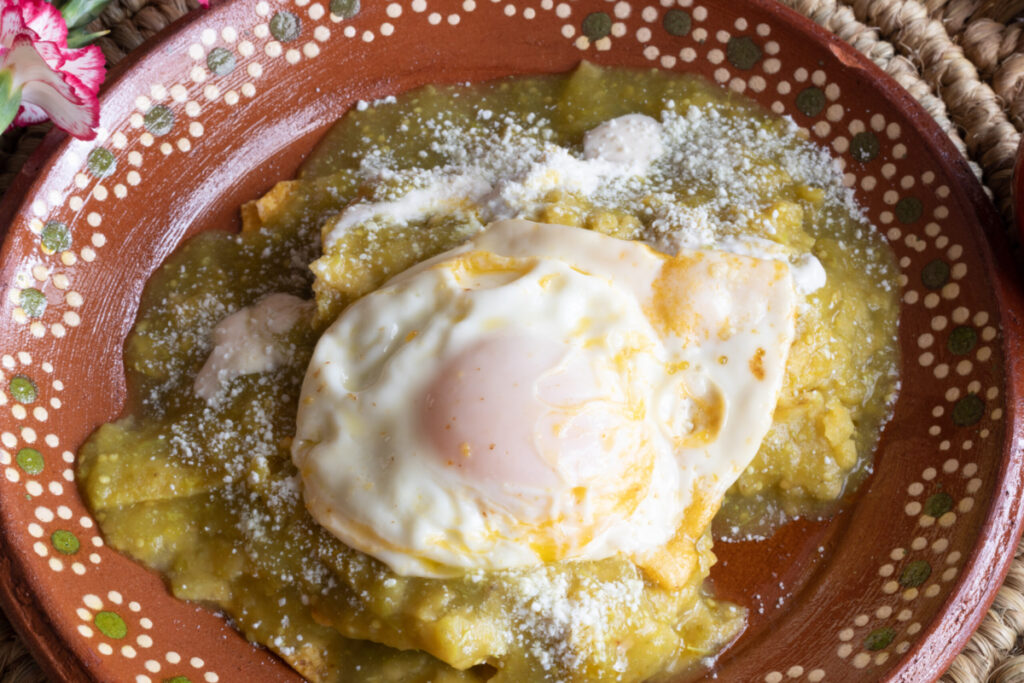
[(200, 94)]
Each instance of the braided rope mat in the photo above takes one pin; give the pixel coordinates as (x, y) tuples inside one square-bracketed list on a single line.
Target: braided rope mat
[(963, 60)]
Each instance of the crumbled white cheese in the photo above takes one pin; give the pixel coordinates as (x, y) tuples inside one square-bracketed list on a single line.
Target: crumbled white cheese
[(692, 178), (561, 620), (618, 149)]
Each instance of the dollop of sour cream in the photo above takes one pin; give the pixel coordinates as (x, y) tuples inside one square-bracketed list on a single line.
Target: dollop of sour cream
[(633, 140), (248, 341)]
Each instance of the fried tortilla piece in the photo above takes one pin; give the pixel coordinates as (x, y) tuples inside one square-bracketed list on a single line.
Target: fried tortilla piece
[(572, 621), (369, 253), (124, 464), (303, 203)]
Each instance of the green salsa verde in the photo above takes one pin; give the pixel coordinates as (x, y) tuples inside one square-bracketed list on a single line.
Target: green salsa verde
[(205, 492)]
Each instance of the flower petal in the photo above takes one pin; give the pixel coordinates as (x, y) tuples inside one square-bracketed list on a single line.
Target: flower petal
[(30, 60), (45, 20), (51, 53), (29, 114), (77, 119), (87, 64), (11, 24), (62, 96)]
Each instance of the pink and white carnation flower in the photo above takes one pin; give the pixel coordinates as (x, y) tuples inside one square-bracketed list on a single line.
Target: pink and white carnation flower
[(40, 76)]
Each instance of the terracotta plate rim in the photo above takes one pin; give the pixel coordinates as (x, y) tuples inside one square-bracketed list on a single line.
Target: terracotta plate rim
[(986, 567), (985, 571)]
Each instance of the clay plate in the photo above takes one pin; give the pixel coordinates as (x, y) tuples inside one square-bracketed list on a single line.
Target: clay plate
[(226, 103)]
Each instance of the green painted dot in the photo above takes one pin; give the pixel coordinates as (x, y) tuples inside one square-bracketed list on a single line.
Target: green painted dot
[(864, 146), (55, 237), (178, 679), (29, 460), (33, 302), (677, 22), (220, 61), (909, 209), (597, 25), (938, 504), (346, 9), (285, 26), (742, 52), (962, 340), (915, 573), (879, 639), (23, 389), (110, 624), (159, 119), (935, 274), (811, 101), (968, 410), (101, 162), (65, 542)]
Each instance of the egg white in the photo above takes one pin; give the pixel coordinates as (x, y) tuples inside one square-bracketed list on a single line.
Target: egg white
[(653, 382)]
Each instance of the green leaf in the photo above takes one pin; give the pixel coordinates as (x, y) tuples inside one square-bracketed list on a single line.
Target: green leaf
[(78, 13), (10, 99), (80, 38)]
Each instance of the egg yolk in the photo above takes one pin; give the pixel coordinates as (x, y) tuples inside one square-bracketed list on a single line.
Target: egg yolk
[(522, 420), (479, 410)]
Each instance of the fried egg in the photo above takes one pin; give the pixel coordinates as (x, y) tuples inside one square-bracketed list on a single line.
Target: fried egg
[(541, 393)]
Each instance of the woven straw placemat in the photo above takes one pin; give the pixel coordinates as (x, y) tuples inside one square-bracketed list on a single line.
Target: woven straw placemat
[(963, 60)]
